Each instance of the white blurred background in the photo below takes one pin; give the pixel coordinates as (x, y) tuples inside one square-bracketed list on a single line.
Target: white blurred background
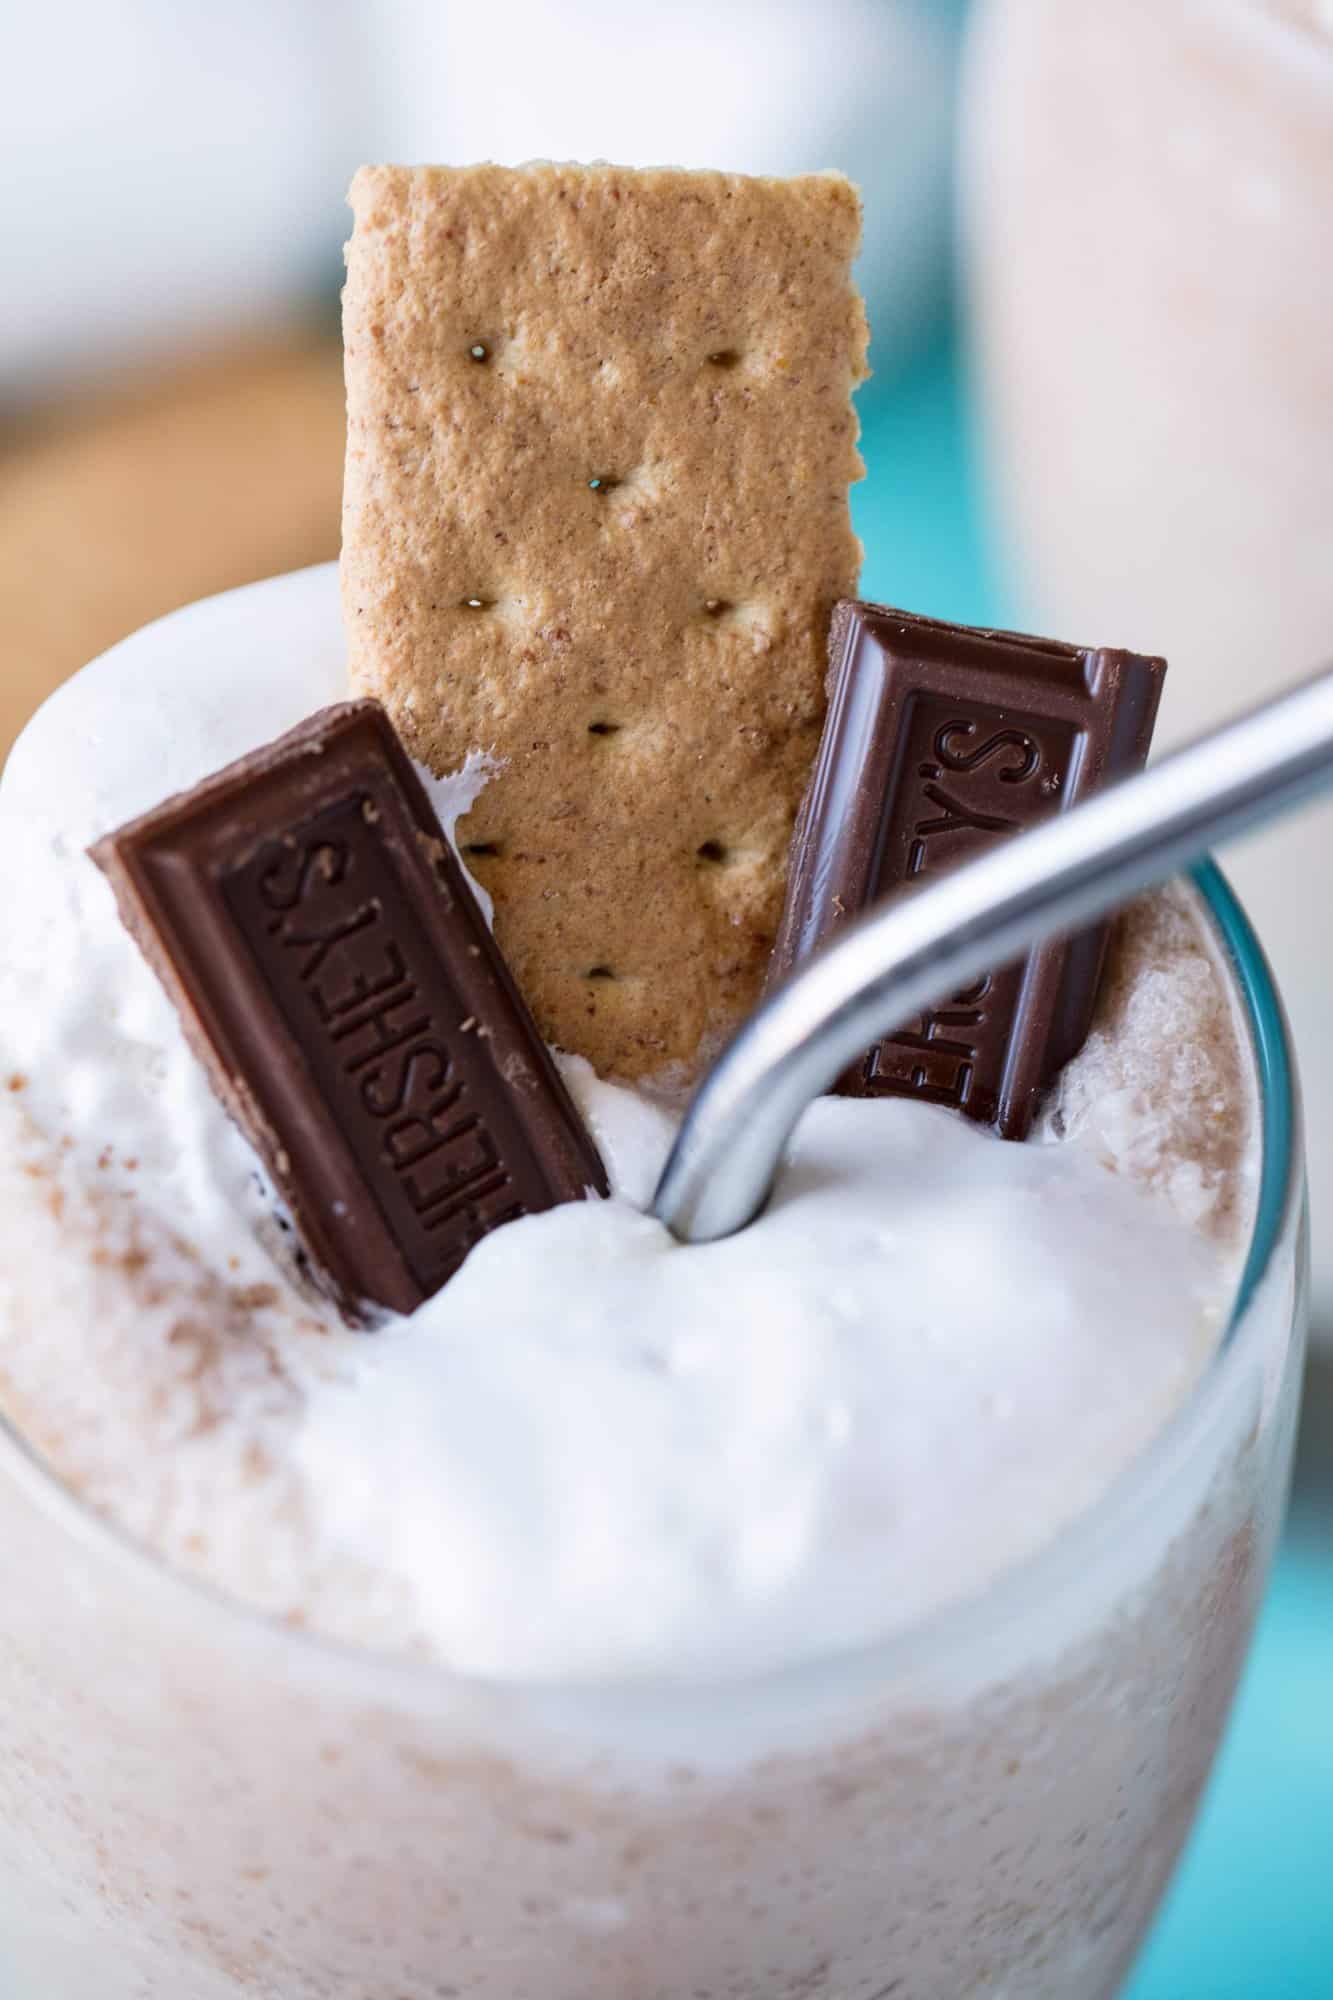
[(172, 175), (172, 168)]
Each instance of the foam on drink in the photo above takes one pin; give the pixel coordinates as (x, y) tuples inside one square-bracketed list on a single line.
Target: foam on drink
[(197, 1800), (595, 1453)]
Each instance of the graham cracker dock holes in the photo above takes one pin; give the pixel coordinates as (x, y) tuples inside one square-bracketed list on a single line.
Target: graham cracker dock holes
[(648, 673)]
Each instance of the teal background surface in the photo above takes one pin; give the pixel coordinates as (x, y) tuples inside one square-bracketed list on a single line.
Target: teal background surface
[(1250, 1914)]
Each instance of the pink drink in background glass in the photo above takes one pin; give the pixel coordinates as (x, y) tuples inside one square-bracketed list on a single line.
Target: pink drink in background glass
[(1148, 212)]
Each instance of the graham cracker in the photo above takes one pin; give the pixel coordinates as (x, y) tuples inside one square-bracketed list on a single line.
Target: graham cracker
[(600, 440)]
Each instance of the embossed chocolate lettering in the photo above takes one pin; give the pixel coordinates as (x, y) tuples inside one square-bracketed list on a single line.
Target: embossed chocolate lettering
[(314, 928), (431, 1059), (1028, 765), (941, 740), (326, 858), (953, 817)]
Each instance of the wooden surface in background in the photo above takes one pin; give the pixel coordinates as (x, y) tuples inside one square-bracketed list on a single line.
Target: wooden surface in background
[(122, 507)]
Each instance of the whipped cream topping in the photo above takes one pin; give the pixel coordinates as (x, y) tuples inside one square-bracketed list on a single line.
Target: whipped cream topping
[(596, 1452)]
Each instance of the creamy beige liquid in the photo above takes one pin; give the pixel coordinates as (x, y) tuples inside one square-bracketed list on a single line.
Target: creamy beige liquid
[(195, 1806), (201, 1803)]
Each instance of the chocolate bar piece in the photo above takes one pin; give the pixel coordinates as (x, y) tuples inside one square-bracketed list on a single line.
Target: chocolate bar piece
[(316, 933), (941, 739)]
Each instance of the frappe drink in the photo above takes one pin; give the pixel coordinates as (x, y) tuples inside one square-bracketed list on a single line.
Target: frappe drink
[(847, 1608)]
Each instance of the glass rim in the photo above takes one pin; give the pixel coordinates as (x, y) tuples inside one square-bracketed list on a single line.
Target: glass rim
[(1003, 1599)]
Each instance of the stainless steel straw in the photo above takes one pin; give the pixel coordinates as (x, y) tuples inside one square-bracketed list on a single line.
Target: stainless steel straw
[(925, 945)]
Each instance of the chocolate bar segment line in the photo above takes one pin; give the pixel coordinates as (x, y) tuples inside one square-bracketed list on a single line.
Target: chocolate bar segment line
[(331, 967), (940, 740)]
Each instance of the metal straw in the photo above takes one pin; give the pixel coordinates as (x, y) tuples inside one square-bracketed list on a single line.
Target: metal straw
[(916, 950)]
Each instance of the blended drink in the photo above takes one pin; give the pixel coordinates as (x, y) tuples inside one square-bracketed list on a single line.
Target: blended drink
[(425, 1578), (796, 1615)]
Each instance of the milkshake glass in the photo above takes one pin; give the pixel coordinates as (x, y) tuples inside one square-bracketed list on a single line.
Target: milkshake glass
[(1148, 217), (198, 1803)]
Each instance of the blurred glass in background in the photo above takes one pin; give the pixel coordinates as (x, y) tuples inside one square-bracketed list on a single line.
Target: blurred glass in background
[(1148, 199)]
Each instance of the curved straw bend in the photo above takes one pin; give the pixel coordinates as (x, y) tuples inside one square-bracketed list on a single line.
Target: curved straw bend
[(918, 949)]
